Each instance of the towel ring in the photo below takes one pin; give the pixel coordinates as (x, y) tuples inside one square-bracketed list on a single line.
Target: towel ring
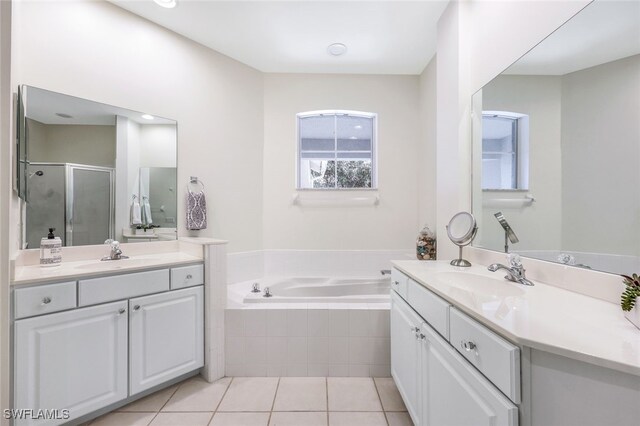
[(194, 180)]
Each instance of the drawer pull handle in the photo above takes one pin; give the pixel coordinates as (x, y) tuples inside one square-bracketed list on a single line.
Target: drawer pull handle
[(121, 311), (46, 300), (136, 308), (468, 346), (189, 276)]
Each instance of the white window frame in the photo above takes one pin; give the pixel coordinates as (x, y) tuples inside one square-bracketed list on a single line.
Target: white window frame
[(374, 148), (522, 149)]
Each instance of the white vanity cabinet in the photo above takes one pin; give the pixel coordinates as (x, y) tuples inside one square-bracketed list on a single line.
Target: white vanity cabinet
[(166, 337), (136, 335), (439, 386), (75, 360), (405, 353)]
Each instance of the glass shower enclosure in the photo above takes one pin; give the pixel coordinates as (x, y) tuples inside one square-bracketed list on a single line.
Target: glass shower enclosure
[(76, 199)]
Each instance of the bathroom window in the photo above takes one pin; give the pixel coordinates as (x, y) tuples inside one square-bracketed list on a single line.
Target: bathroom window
[(505, 151), (336, 150)]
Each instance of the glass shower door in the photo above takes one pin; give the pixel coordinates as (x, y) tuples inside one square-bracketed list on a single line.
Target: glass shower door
[(90, 205), (45, 207)]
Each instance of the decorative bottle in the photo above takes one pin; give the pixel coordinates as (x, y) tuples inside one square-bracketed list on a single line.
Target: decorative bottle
[(50, 250), (426, 245)]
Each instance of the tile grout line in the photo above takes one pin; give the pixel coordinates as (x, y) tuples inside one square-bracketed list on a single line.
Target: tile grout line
[(165, 403), (215, 410), (384, 412), (326, 388), (273, 404)]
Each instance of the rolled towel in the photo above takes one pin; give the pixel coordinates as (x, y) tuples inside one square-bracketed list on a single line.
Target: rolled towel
[(196, 211), (146, 212), (136, 213)]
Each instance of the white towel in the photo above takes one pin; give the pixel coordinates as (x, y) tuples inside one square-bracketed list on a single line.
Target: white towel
[(146, 211), (136, 214)]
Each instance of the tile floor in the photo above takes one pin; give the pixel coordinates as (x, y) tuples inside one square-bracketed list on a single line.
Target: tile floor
[(263, 401)]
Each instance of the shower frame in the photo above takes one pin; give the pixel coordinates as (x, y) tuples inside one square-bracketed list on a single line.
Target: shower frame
[(68, 195)]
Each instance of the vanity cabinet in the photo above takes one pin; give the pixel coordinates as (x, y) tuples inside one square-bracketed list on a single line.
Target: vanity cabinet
[(166, 337), (438, 384), (75, 360), (405, 353), (88, 358)]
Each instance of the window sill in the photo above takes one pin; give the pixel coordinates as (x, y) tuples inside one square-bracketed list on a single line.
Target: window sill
[(335, 198)]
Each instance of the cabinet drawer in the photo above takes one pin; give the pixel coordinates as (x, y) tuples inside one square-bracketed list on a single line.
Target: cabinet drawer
[(496, 358), (44, 299), (187, 276), (100, 290), (399, 282), (432, 308)]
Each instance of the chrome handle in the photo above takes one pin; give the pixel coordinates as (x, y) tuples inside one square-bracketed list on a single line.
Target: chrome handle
[(255, 288), (414, 329), (396, 283), (468, 346), (136, 308), (46, 300), (121, 311), (189, 276), (422, 336)]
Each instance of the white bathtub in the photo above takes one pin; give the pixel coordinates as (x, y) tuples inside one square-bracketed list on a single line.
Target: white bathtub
[(318, 290)]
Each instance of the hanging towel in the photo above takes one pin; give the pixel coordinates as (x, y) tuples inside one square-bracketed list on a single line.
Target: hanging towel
[(136, 214), (196, 210), (146, 211)]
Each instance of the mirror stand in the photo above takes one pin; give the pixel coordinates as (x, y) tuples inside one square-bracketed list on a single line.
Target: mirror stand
[(460, 261)]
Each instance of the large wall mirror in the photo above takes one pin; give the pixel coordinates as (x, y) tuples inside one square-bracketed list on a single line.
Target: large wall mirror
[(556, 145), (94, 171)]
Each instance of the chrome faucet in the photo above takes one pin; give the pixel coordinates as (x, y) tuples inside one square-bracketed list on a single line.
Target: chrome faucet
[(515, 272), (116, 252)]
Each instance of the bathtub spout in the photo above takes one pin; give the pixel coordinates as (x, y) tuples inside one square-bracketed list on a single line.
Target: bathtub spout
[(385, 272)]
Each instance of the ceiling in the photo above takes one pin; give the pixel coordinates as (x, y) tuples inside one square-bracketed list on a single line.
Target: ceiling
[(602, 32), (42, 106), (382, 37)]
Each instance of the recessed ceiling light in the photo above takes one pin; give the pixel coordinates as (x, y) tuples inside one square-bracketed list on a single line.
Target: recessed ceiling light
[(353, 137), (169, 4), (63, 115), (337, 49), (357, 127), (147, 116)]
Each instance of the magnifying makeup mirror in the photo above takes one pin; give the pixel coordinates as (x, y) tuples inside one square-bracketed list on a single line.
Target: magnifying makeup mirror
[(462, 228)]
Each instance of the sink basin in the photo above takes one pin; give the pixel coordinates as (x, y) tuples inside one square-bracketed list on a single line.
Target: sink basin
[(100, 265), (496, 288)]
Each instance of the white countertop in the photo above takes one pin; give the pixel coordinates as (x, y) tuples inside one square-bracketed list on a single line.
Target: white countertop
[(542, 317), (73, 270)]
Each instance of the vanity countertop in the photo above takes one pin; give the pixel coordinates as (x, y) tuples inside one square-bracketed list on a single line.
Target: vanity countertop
[(73, 270), (541, 317)]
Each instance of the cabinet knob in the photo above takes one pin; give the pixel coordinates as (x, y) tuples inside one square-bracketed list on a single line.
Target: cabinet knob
[(121, 311), (396, 282), (189, 276), (414, 329), (136, 308), (46, 300), (468, 346), (422, 336)]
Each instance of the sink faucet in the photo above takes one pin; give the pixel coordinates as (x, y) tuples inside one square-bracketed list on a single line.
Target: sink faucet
[(515, 272), (116, 252)]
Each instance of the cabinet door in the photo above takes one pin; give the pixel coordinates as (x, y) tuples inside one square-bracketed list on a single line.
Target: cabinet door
[(74, 360), (454, 393), (405, 353), (166, 337)]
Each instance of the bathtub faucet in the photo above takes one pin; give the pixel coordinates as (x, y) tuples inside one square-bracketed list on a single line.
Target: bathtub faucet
[(385, 271)]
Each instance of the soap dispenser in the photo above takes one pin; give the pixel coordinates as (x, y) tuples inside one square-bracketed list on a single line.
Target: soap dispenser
[(50, 250)]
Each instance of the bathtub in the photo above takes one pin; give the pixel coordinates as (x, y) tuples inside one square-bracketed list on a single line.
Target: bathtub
[(319, 290), (311, 326)]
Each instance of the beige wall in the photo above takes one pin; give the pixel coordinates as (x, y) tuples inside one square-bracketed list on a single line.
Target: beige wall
[(61, 143), (426, 167), (216, 101), (6, 183), (393, 224), (600, 155), (539, 97)]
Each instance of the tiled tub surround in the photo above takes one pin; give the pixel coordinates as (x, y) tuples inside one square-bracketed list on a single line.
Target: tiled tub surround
[(307, 338)]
